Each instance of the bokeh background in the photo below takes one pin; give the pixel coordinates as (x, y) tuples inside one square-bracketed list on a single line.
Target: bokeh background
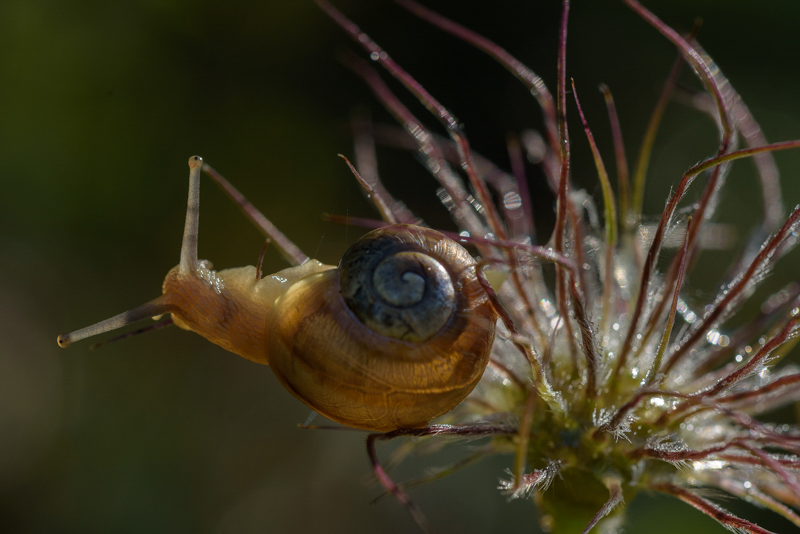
[(101, 104)]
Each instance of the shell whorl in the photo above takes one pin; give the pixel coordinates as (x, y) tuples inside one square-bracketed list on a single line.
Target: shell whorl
[(405, 371), (397, 284)]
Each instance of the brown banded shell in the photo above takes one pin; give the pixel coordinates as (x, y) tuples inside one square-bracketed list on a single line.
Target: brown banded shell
[(394, 338)]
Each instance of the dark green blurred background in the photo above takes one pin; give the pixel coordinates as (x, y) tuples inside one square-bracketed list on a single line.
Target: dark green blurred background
[(102, 103)]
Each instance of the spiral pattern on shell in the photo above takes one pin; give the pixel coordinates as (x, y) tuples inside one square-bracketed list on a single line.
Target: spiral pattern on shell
[(399, 287)]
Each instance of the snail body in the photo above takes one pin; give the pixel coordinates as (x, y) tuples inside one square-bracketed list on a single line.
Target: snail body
[(395, 336)]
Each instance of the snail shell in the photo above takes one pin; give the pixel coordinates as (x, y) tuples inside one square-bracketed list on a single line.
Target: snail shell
[(396, 336)]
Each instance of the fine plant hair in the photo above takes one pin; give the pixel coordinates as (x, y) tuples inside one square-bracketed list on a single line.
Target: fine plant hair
[(591, 384)]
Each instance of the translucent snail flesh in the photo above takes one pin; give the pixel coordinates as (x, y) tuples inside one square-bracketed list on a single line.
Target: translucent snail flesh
[(394, 337)]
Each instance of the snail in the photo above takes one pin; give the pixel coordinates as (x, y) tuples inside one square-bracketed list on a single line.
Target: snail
[(395, 336)]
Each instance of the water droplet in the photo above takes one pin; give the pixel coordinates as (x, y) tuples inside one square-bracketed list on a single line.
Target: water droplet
[(716, 338), (512, 200)]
